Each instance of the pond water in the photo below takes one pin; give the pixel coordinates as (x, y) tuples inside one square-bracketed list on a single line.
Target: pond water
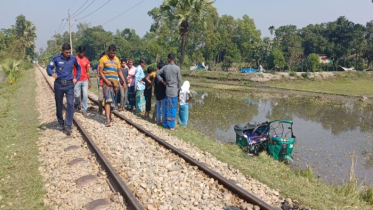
[(329, 131)]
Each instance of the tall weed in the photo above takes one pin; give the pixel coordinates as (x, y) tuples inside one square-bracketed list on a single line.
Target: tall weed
[(12, 69), (367, 195)]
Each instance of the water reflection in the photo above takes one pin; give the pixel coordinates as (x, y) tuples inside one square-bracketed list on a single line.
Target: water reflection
[(328, 131), (213, 112), (338, 118)]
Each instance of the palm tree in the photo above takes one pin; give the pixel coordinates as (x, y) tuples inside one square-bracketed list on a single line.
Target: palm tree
[(28, 38), (185, 11), (24, 31), (271, 30)]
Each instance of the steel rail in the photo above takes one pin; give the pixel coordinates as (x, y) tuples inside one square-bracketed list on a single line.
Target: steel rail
[(131, 200), (240, 192)]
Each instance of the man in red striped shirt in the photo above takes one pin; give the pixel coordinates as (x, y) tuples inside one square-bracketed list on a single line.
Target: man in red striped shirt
[(84, 83)]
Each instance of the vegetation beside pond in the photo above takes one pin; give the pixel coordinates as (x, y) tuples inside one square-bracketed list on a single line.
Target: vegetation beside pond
[(297, 184), (339, 83), (301, 185)]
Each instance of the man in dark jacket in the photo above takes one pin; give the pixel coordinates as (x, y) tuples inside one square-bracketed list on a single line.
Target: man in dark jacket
[(64, 84)]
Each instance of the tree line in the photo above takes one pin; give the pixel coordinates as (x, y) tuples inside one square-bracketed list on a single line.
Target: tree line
[(18, 42), (17, 47), (197, 33)]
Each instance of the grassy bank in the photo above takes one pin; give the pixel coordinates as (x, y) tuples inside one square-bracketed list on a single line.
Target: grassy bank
[(339, 83), (297, 184), (348, 87), (20, 182)]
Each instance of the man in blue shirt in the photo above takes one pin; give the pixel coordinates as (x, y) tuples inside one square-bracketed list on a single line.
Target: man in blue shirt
[(64, 84)]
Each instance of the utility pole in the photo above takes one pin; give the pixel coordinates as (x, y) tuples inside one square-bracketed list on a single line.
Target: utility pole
[(71, 42)]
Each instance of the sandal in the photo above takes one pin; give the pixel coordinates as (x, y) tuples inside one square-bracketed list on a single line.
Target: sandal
[(107, 124)]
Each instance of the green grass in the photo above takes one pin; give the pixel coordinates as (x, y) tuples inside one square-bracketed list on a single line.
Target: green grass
[(94, 87), (342, 83), (20, 181), (296, 184), (348, 87)]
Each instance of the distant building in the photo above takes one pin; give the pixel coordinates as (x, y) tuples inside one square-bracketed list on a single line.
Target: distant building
[(324, 59)]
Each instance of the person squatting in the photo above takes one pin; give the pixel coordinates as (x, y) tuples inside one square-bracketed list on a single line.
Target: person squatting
[(122, 86)]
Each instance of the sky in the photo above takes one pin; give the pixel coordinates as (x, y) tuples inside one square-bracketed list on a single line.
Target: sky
[(47, 15)]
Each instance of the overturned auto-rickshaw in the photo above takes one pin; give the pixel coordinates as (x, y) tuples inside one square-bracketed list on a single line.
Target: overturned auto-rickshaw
[(276, 137)]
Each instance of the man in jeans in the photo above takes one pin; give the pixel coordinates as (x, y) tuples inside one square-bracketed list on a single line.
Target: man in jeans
[(84, 83), (64, 84), (160, 95)]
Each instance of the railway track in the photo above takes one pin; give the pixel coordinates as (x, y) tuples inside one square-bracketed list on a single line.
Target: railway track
[(159, 174)]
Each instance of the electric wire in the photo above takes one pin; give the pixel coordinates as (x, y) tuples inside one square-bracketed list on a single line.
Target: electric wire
[(124, 12), (94, 11), (83, 9), (63, 27), (79, 8), (59, 27), (73, 4)]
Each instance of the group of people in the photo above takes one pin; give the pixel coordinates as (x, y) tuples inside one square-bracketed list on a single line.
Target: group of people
[(122, 86)]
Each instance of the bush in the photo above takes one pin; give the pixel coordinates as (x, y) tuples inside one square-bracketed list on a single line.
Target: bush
[(367, 195), (305, 75), (326, 67), (154, 65), (292, 73), (26, 65), (357, 64), (279, 59), (12, 69), (314, 61), (361, 74)]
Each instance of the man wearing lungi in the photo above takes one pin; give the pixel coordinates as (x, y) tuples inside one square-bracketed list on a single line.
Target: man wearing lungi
[(109, 69), (172, 81)]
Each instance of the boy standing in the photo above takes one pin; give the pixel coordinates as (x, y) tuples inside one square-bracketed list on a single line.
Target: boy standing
[(123, 89)]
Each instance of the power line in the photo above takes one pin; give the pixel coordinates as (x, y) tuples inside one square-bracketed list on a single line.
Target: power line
[(94, 11), (124, 12), (83, 9), (79, 8), (73, 4), (60, 25)]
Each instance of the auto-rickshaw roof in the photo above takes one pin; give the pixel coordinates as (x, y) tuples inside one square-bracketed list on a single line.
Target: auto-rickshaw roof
[(283, 121)]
